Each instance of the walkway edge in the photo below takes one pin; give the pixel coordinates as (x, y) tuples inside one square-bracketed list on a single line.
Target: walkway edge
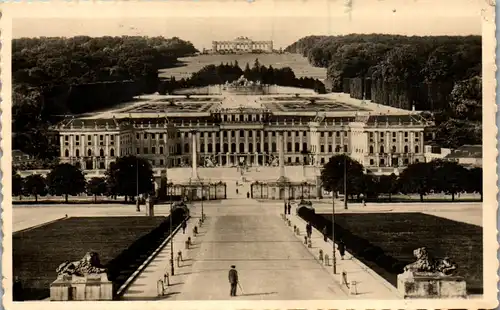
[(40, 225), (375, 275), (141, 268)]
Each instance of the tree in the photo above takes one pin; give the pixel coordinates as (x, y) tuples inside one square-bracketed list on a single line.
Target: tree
[(130, 176), (466, 99), (66, 179), (35, 185), (449, 177), (387, 184), (474, 181), (17, 184), (417, 178), (97, 186), (332, 174)]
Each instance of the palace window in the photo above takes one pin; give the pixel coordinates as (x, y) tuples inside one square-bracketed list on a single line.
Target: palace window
[(304, 146), (345, 133), (345, 148), (186, 148), (250, 147), (77, 153), (66, 153), (322, 148), (266, 147), (161, 136), (241, 118), (161, 162), (382, 162), (145, 150), (112, 152), (161, 149), (330, 148), (371, 149), (209, 146), (89, 152), (322, 134), (406, 134), (250, 133), (273, 147), (232, 134), (289, 160), (258, 147), (226, 148), (153, 150), (289, 147), (297, 147), (242, 133), (416, 149), (242, 147), (101, 152), (382, 149), (338, 133), (289, 133), (217, 148), (233, 147), (304, 133), (138, 151), (406, 161), (322, 160), (394, 134), (406, 148), (202, 148), (296, 133), (393, 149), (371, 162)]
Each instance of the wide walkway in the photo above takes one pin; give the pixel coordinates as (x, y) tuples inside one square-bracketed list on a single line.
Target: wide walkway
[(271, 261)]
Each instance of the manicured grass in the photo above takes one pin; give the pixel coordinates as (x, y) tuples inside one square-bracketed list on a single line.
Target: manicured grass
[(38, 252), (398, 234), (299, 64)]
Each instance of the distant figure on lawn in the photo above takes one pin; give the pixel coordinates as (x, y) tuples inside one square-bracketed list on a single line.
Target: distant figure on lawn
[(324, 231), (184, 226), (248, 195), (236, 191), (285, 208), (289, 208), (309, 230), (233, 279), (341, 248)]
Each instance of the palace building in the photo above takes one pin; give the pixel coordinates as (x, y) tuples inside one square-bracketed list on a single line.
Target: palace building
[(230, 129), (242, 44)]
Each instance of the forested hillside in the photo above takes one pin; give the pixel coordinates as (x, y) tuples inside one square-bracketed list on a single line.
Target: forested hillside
[(441, 74), (56, 76)]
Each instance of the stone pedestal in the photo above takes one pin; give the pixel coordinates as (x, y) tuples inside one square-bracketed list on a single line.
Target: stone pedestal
[(150, 209), (431, 285), (89, 287)]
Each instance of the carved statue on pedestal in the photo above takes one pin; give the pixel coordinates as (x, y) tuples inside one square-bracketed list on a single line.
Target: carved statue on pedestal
[(425, 263), (89, 264)]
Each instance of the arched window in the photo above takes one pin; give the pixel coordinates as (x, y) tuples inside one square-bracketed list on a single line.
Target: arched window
[(381, 149), (273, 147), (112, 152), (250, 148), (202, 148), (233, 147), (416, 148), (186, 148), (394, 149), (101, 152), (66, 153), (266, 147), (242, 147), (406, 148), (258, 147), (371, 149), (289, 147), (209, 147), (77, 153), (89, 152), (226, 148), (297, 147)]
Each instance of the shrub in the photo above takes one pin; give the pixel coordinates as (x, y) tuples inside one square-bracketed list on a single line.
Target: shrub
[(398, 267), (385, 261), (372, 252)]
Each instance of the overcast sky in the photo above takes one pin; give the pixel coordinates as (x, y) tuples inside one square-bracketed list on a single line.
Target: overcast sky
[(282, 22)]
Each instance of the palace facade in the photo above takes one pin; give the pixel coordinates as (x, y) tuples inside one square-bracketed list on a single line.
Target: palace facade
[(246, 130), (242, 44)]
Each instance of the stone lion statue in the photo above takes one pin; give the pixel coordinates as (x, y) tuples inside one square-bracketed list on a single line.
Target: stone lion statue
[(426, 263), (89, 264)]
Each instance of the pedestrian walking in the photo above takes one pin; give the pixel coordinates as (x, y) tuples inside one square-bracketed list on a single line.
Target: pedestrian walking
[(289, 208), (324, 231), (309, 230), (284, 212), (341, 249), (233, 280), (184, 226)]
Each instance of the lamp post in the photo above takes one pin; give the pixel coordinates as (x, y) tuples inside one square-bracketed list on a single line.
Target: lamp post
[(171, 238), (345, 181), (333, 234), (138, 208)]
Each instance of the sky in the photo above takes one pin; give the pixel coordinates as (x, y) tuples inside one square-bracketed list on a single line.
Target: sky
[(282, 22)]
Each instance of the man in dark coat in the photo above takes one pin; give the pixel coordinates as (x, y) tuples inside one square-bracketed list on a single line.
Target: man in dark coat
[(184, 226), (285, 208), (233, 280), (309, 230), (289, 208), (325, 237), (341, 248)]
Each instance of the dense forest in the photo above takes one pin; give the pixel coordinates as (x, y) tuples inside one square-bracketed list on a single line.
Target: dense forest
[(57, 76), (213, 75), (441, 74)]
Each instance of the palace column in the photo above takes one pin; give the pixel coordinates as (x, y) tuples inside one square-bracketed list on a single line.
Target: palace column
[(194, 161), (254, 151), (281, 153)]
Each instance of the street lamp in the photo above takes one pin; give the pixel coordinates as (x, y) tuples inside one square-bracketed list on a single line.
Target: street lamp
[(345, 181), (333, 233), (171, 234), (138, 208)]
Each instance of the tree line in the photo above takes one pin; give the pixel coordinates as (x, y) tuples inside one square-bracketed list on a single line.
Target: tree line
[(441, 74), (54, 76), (438, 176), (229, 72), (129, 176)]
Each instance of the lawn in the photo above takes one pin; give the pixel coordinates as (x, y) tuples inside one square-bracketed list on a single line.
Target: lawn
[(299, 64), (122, 243), (398, 234)]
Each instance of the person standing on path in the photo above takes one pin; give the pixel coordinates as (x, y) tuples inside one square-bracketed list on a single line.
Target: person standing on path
[(309, 230), (284, 212), (341, 248), (289, 208), (325, 237), (233, 280), (184, 226)]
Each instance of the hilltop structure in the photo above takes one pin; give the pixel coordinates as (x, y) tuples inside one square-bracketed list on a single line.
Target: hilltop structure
[(242, 45)]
